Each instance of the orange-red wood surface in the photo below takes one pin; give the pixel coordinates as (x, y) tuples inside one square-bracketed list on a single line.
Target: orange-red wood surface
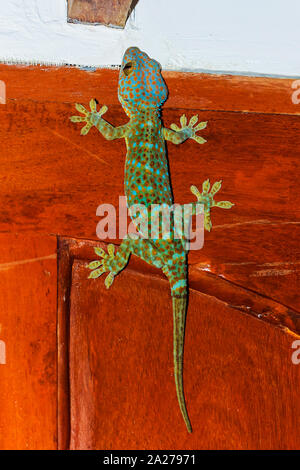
[(51, 182), (53, 179), (28, 391), (240, 381)]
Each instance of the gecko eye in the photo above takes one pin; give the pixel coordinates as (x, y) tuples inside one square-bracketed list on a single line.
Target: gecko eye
[(128, 68)]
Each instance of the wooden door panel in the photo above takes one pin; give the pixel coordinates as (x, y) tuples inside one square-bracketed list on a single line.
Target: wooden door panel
[(119, 353), (28, 389), (240, 381)]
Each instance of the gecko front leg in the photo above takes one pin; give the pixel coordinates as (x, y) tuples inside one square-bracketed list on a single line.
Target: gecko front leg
[(177, 135), (94, 118)]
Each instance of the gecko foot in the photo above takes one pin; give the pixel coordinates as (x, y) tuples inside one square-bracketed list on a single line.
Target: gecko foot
[(103, 265), (191, 128), (207, 199), (90, 117)]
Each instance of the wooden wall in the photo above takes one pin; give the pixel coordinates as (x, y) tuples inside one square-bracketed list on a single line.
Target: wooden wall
[(52, 180)]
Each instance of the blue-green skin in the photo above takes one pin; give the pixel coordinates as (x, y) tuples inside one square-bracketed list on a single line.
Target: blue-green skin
[(147, 178)]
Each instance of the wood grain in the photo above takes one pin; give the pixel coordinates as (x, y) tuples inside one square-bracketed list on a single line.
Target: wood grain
[(214, 92), (63, 324), (107, 12), (52, 181), (239, 378), (28, 328)]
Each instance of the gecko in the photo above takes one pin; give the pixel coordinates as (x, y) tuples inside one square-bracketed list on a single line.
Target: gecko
[(141, 92)]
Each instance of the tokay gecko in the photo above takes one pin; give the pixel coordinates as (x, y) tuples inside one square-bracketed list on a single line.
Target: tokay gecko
[(142, 92)]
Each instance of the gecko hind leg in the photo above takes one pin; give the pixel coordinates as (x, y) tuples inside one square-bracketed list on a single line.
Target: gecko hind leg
[(110, 262), (113, 263)]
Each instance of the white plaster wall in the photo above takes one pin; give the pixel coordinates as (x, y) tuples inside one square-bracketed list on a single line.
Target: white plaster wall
[(237, 36)]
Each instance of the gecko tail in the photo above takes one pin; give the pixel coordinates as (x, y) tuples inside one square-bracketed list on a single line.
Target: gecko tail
[(179, 315)]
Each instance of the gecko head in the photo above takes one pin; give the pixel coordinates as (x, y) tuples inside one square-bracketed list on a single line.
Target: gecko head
[(141, 85)]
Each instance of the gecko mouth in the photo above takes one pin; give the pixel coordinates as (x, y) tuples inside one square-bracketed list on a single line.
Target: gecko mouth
[(128, 68)]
